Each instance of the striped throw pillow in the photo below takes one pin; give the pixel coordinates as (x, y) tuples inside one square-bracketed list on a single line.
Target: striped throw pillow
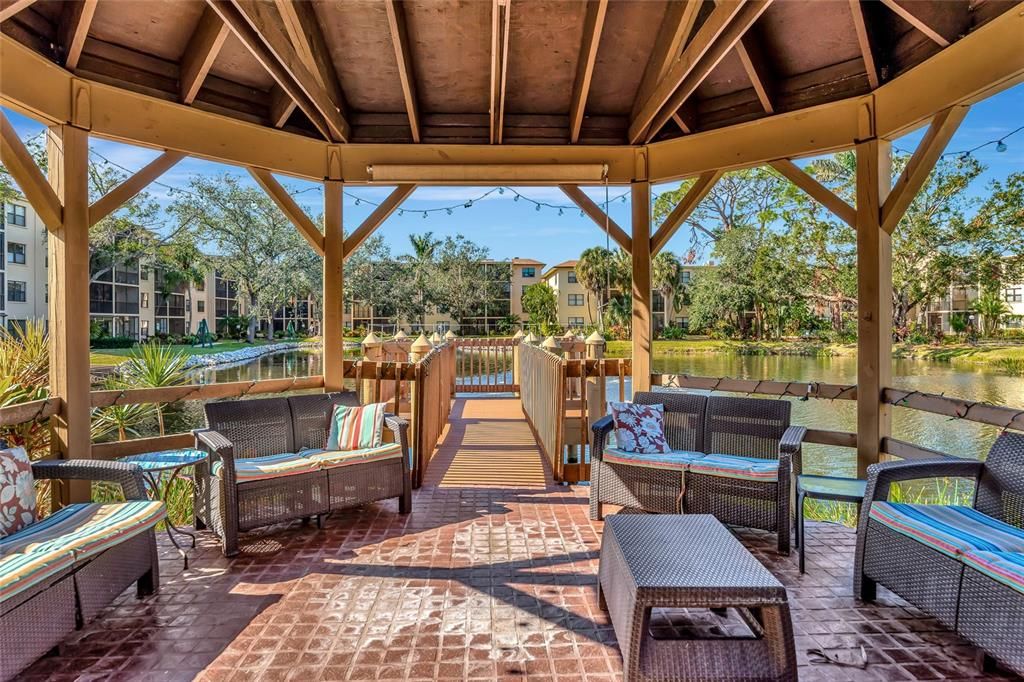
[(355, 428)]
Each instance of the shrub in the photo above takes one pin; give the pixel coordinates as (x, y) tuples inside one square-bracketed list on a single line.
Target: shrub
[(672, 333)]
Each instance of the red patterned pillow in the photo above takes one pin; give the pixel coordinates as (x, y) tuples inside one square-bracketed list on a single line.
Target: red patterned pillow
[(640, 428), (17, 491)]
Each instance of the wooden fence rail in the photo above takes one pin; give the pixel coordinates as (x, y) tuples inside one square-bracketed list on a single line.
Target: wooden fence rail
[(431, 404), (486, 365), (542, 389)]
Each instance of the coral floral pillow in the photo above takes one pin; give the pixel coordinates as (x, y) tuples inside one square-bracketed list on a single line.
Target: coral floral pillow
[(640, 428), (17, 491)]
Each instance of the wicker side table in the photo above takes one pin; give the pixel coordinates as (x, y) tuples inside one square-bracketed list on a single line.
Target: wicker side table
[(692, 561)]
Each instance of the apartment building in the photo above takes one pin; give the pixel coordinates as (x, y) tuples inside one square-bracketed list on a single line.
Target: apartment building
[(23, 268), (959, 299)]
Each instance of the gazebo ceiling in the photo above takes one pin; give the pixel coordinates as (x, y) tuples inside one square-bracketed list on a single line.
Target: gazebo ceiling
[(508, 71)]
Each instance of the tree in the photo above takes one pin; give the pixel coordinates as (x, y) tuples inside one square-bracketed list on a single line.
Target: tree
[(597, 270), (418, 271), (991, 307), (540, 302), (667, 277), (463, 285), (369, 275), (721, 295), (254, 240)]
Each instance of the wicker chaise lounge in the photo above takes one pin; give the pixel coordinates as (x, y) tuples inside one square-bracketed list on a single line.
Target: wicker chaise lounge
[(57, 574), (733, 458), (268, 464), (962, 564)]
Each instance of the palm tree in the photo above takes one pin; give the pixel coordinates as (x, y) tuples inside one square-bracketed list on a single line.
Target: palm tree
[(421, 263), (596, 272), (155, 365), (991, 308), (667, 277)]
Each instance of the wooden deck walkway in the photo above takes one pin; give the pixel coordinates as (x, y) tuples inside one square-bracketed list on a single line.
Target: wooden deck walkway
[(488, 444)]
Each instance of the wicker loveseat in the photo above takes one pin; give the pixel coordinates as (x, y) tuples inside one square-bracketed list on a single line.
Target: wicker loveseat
[(962, 564), (268, 464), (57, 574), (734, 458)]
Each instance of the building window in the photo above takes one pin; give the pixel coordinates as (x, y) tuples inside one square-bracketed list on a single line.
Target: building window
[(144, 299), (686, 276), (683, 322), (15, 253), (575, 299), (200, 306), (572, 277), (16, 215), (201, 285), (658, 302), (145, 328), (529, 272), (15, 326), (144, 275), (525, 287), (17, 292), (576, 322), (1014, 294)]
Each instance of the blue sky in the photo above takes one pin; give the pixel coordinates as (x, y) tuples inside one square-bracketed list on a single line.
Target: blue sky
[(512, 228)]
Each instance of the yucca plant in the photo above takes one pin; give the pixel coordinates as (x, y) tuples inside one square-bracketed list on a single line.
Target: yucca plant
[(24, 377), (155, 365), (124, 420)]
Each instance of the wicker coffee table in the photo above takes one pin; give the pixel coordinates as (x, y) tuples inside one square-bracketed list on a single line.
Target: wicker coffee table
[(693, 562)]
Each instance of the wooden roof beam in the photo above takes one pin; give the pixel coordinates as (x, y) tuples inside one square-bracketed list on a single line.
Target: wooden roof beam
[(281, 106), (914, 21), (400, 41), (33, 184), (377, 218), (74, 27), (755, 63), (720, 33), (817, 191), (922, 162), (304, 31), (8, 8), (705, 182), (593, 25), (861, 28), (287, 204), (203, 48), (501, 15), (595, 213), (113, 199), (676, 28)]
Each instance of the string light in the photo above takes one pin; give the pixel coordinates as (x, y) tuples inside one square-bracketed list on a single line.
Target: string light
[(964, 154)]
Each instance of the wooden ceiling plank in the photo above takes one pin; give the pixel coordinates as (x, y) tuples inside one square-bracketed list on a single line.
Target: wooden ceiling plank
[(594, 212), (501, 16), (817, 191), (203, 48), (74, 27), (593, 25), (914, 21), (675, 30), (307, 36), (9, 8), (921, 163), (377, 218), (287, 204), (16, 158), (755, 63), (400, 41), (116, 197), (861, 28), (705, 182)]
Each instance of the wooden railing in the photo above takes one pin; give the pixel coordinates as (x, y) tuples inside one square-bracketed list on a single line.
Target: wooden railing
[(431, 404), (542, 390), (486, 365)]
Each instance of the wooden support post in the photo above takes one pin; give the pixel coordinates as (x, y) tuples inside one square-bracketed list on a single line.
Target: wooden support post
[(641, 329), (67, 151), (874, 301), (373, 351), (518, 339), (333, 307)]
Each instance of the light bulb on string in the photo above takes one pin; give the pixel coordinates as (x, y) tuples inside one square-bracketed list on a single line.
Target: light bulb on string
[(560, 212), (517, 198), (501, 190), (357, 201), (449, 211), (1001, 146), (538, 207), (468, 204), (424, 215), (401, 212)]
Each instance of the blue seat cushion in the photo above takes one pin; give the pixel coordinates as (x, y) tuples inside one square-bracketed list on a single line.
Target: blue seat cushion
[(950, 529), (734, 466), (1004, 567), (676, 460), (273, 466)]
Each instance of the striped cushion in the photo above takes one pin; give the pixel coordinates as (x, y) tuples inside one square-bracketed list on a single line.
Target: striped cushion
[(86, 529), (356, 427), (1004, 567), (274, 466), (734, 466), (949, 529), (676, 460), (20, 570), (330, 459)]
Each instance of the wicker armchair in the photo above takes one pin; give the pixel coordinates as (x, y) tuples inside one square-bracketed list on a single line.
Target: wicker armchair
[(697, 426), (928, 555), (250, 430)]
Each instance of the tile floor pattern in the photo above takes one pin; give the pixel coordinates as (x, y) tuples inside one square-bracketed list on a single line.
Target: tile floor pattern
[(476, 584)]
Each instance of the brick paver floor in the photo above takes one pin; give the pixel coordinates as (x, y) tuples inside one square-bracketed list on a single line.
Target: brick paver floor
[(475, 584)]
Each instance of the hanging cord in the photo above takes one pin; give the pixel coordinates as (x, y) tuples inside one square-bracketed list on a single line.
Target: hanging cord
[(607, 248)]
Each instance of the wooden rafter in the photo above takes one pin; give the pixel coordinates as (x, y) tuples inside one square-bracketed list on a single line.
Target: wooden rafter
[(113, 199), (594, 212), (304, 31), (33, 184), (755, 63), (74, 27), (914, 21), (705, 182), (922, 162), (672, 36), (203, 48), (593, 25), (8, 8), (292, 210), (861, 28), (281, 106), (817, 191), (501, 16), (686, 117), (714, 39), (400, 41), (377, 218)]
